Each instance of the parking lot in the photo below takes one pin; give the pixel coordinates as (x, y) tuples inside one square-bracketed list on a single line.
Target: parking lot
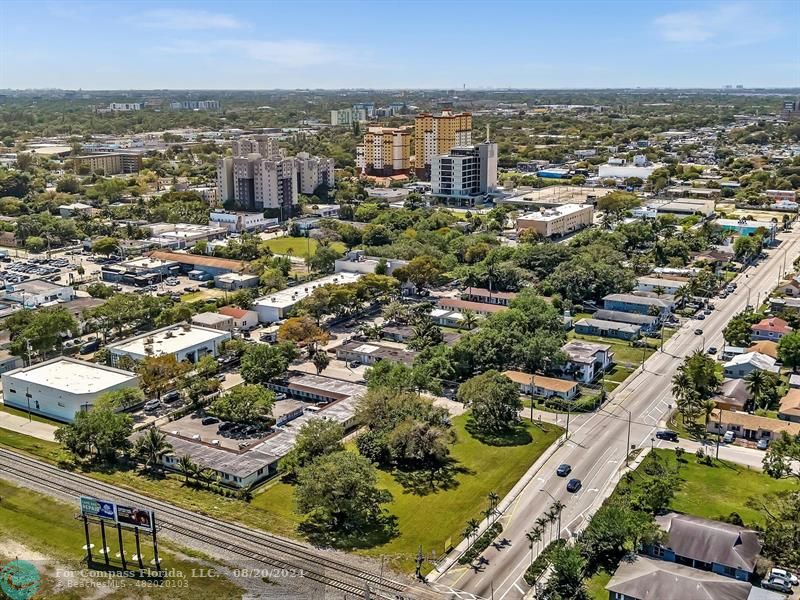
[(231, 437), (56, 270)]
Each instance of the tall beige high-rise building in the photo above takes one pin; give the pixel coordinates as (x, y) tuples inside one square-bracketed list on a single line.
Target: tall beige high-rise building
[(385, 151), (254, 183), (312, 172), (435, 135), (265, 145)]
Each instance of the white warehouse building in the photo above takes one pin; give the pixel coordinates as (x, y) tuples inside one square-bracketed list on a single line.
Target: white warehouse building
[(185, 342), (62, 387), (276, 306)]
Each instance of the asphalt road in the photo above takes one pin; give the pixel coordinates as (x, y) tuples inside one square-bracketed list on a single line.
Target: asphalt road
[(596, 447)]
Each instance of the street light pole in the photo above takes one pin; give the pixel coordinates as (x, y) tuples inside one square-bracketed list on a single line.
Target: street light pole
[(628, 444)]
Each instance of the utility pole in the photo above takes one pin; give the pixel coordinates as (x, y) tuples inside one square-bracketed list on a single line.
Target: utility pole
[(28, 398), (419, 560), (719, 425)]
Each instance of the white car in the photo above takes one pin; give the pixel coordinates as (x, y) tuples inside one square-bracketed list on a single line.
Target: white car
[(783, 574), (729, 437)]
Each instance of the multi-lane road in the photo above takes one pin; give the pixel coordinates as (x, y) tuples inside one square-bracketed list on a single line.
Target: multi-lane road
[(596, 448)]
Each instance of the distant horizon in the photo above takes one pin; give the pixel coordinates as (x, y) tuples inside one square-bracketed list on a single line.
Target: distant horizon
[(393, 44), (791, 89)]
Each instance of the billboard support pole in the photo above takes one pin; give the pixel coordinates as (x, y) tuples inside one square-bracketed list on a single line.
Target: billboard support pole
[(138, 549), (103, 534), (121, 549), (155, 544), (88, 544)]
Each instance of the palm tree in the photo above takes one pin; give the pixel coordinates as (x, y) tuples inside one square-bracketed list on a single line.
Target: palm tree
[(470, 319), (152, 447), (493, 500), (551, 516), (534, 537), (187, 467), (558, 506), (708, 408), (473, 525), (683, 294), (757, 385), (541, 523), (467, 534), (208, 476)]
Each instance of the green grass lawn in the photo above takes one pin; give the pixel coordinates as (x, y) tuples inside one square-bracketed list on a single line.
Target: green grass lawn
[(299, 246), (24, 414), (422, 518), (596, 585), (433, 518), (623, 351), (47, 527), (615, 376), (717, 491)]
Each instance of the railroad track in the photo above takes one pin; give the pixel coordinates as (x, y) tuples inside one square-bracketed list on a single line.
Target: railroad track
[(234, 538)]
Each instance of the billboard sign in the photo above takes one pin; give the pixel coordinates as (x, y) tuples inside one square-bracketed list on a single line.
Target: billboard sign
[(131, 516), (101, 509)]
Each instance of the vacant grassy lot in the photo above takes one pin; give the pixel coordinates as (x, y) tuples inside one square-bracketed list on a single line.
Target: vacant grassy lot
[(47, 528), (623, 351), (425, 515), (717, 491), (298, 246)]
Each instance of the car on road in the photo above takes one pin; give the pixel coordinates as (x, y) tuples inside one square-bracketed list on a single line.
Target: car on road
[(209, 420), (698, 332), (574, 485), (701, 317), (762, 444), (666, 434), (783, 574), (563, 470), (712, 350), (777, 584)]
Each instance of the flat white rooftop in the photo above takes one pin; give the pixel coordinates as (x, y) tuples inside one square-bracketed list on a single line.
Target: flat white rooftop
[(169, 340), (293, 295), (551, 214), (73, 376)]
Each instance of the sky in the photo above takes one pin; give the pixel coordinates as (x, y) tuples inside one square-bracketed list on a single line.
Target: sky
[(260, 44)]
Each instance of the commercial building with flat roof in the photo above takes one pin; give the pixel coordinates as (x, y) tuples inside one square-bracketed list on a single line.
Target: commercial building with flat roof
[(275, 306), (368, 353), (208, 264), (185, 342), (62, 387), (34, 293), (558, 221)]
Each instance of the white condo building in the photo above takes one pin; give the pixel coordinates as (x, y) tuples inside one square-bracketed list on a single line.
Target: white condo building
[(265, 145), (312, 172), (255, 183), (466, 172)]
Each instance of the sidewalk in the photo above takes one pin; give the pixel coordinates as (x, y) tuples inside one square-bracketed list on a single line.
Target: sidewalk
[(42, 431)]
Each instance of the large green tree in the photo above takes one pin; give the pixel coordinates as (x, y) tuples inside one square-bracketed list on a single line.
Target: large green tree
[(261, 363), (789, 350), (100, 433), (494, 401), (245, 403)]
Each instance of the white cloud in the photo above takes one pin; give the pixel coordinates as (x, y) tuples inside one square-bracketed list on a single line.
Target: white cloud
[(729, 24), (168, 18), (283, 53)]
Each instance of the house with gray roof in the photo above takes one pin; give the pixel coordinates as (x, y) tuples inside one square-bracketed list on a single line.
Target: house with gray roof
[(723, 548)]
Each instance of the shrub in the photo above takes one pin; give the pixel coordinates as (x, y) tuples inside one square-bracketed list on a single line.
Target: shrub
[(541, 562), (481, 544)]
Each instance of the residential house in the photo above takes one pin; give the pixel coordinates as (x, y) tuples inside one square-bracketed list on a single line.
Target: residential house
[(771, 328), (368, 353), (749, 427), (587, 360), (794, 381), (403, 333), (733, 395), (790, 288), (722, 548), (622, 331), (643, 578), (213, 320), (546, 387), (647, 323), (779, 305), (243, 319), (475, 294), (659, 285), (643, 305), (742, 365), (790, 406), (765, 347), (480, 308)]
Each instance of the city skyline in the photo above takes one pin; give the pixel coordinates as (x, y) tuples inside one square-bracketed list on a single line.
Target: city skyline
[(394, 45)]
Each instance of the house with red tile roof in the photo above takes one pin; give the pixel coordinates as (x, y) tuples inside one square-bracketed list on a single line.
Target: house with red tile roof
[(771, 328), (242, 319)]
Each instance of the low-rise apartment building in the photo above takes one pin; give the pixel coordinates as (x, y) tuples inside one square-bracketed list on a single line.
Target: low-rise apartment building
[(557, 221)]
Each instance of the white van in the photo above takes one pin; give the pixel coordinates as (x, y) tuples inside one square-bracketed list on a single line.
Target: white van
[(729, 437)]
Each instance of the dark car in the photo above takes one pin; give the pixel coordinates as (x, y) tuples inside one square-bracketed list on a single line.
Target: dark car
[(698, 332), (209, 420), (171, 396), (712, 350), (90, 347), (666, 434), (563, 470), (574, 485), (226, 426)]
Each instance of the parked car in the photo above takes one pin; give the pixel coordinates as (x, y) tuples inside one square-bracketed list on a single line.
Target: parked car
[(226, 426), (574, 485), (563, 470), (763, 444), (171, 396), (777, 584), (666, 434), (783, 574), (729, 437), (151, 405), (90, 347), (701, 317), (209, 420)]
